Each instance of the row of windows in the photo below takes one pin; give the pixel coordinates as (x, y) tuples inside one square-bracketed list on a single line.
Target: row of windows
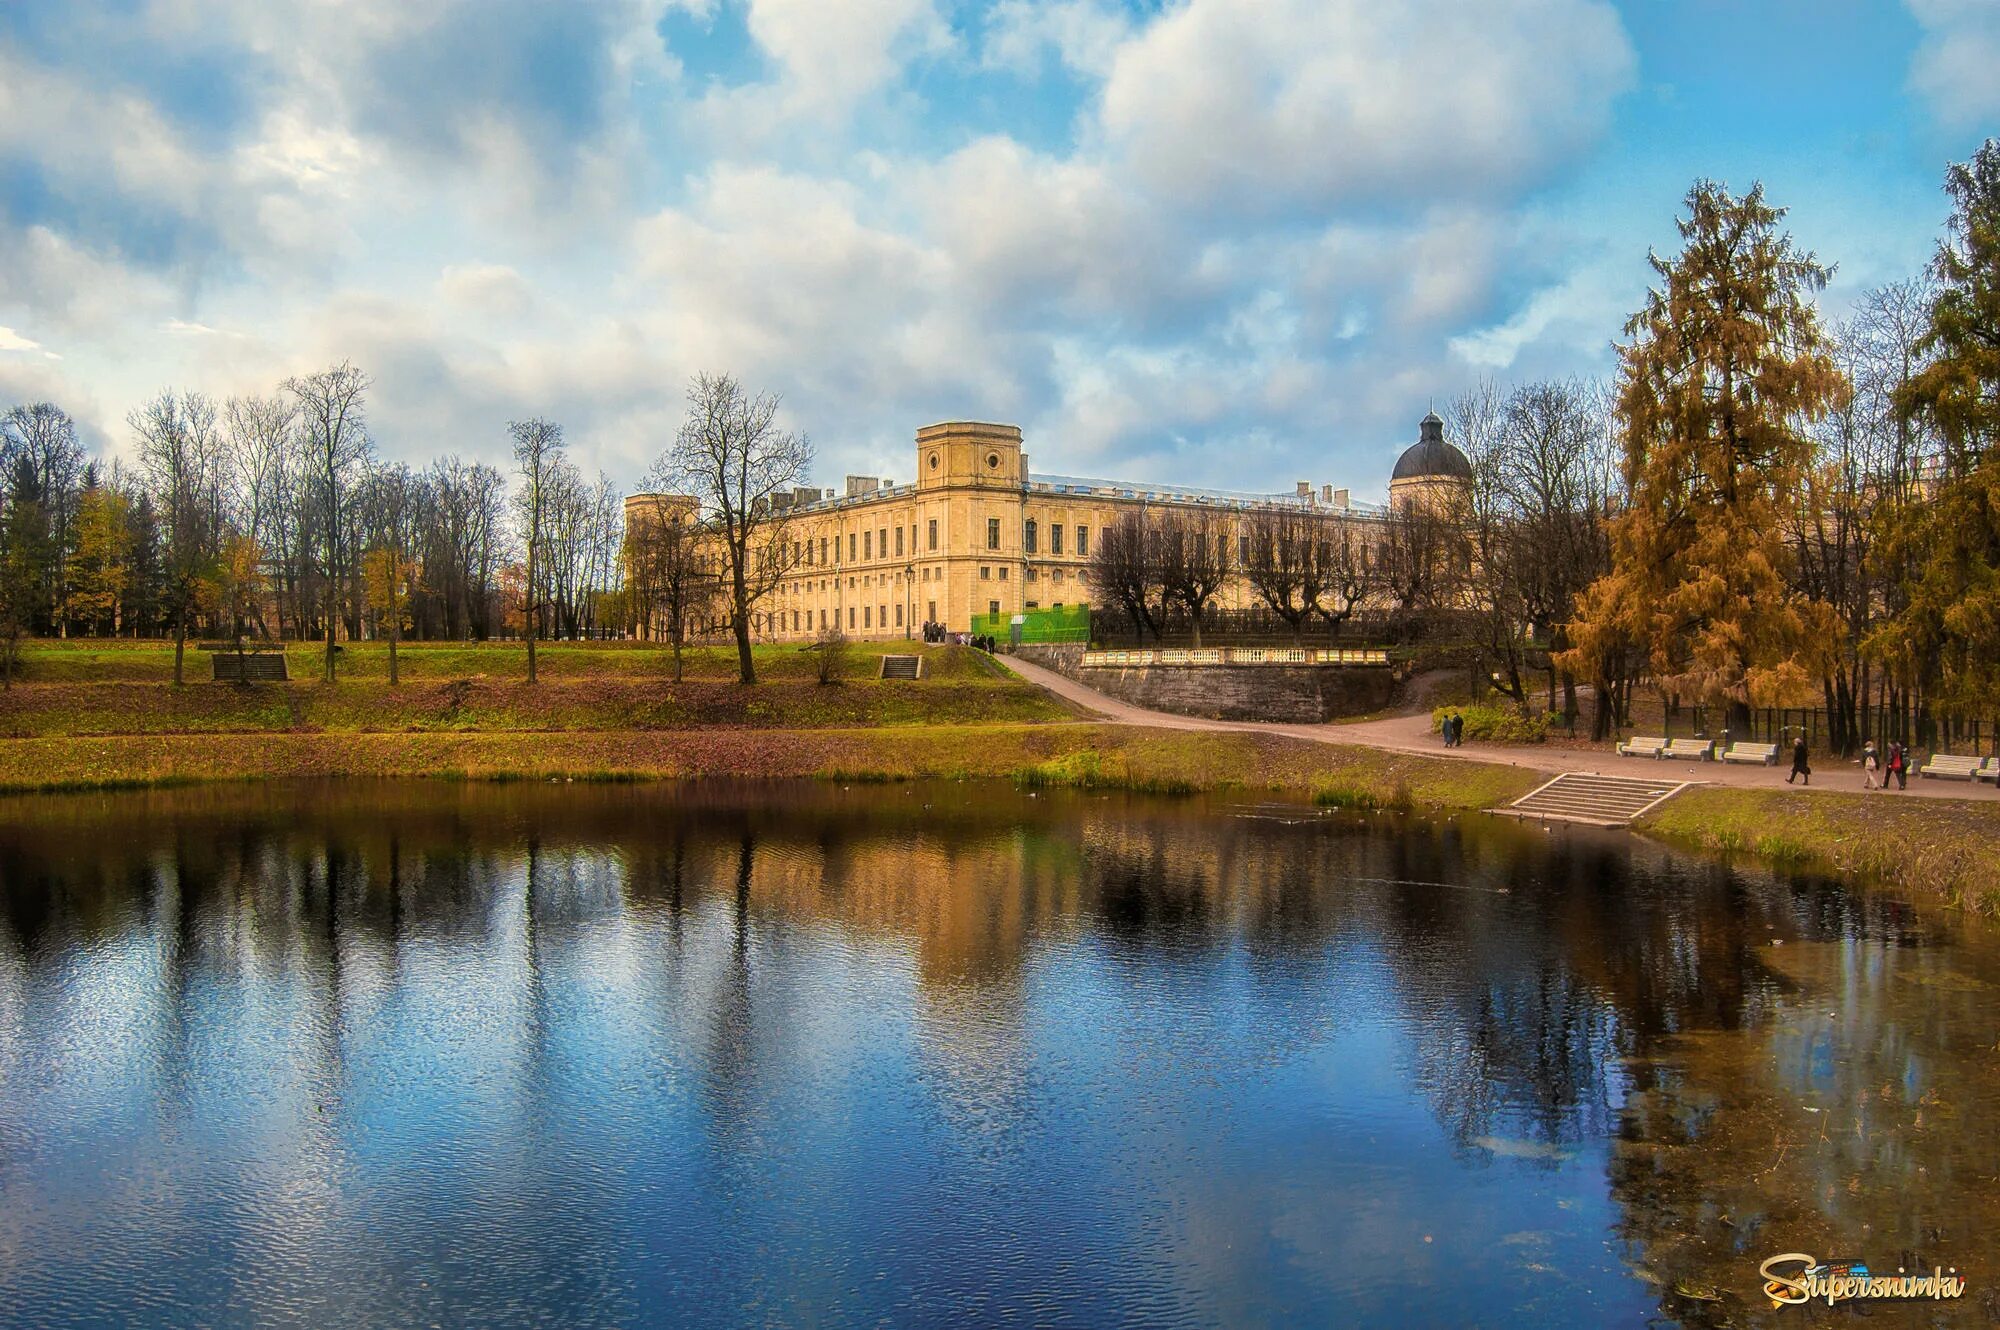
[(865, 544), (1031, 537), (870, 616)]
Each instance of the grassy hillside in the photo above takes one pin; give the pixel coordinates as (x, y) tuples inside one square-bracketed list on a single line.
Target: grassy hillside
[(126, 689)]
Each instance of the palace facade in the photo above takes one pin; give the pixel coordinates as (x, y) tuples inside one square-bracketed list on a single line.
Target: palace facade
[(978, 533)]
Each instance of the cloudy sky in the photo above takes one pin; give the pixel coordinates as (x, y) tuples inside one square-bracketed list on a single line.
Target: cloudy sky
[(1234, 242)]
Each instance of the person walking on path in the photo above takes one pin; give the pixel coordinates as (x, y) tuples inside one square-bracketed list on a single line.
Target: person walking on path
[(1896, 761), (1800, 766), (1869, 766)]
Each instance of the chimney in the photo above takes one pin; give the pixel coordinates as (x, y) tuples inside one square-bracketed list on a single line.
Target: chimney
[(1326, 494), (1339, 497), (1305, 489), (859, 485)]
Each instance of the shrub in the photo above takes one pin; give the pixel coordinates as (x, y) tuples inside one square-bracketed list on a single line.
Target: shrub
[(1498, 724), (830, 655)]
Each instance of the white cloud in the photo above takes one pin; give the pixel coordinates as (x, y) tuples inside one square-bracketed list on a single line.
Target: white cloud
[(830, 57), (1259, 108), (1084, 34), (13, 341), (1956, 68)]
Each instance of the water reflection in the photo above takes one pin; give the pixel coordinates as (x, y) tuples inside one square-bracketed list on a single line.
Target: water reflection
[(369, 1054)]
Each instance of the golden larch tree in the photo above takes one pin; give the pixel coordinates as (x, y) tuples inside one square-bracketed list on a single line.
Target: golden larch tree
[(1724, 369)]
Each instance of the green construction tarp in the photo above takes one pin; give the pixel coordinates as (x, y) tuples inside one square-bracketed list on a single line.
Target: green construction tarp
[(1061, 623)]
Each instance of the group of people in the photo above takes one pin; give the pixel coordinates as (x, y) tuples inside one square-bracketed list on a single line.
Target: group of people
[(1452, 727), (1877, 769), (1896, 766), (937, 635)]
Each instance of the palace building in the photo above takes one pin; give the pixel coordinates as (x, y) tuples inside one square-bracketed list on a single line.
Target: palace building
[(978, 533)]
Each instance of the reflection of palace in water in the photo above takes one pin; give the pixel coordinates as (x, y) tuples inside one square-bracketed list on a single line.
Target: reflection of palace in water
[(1551, 992)]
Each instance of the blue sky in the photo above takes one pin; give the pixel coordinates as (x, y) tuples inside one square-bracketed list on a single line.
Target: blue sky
[(1235, 242)]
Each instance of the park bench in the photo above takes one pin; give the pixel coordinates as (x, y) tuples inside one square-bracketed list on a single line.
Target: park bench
[(1991, 770), (1698, 750), (249, 662), (1640, 746), (1945, 766), (1764, 754)]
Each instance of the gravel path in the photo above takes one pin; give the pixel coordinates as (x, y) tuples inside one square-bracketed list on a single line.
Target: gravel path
[(1412, 734)]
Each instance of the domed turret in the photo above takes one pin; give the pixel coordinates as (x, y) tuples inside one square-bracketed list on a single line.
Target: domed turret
[(1430, 471), (1430, 457)]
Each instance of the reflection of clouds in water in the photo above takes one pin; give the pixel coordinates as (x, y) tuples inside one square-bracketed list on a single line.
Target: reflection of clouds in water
[(793, 1044)]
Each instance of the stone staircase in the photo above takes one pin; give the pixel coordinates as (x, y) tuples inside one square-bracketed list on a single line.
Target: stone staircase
[(902, 667), (1602, 801)]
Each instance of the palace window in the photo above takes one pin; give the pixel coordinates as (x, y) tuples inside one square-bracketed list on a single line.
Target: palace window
[(1003, 572), (882, 541), (850, 616), (822, 550), (882, 615), (1243, 548), (864, 617), (1032, 605), (1083, 542), (899, 616), (850, 547), (932, 616), (986, 572), (868, 544), (899, 542), (1028, 536), (992, 607), (933, 533), (1029, 576), (1055, 537), (992, 533)]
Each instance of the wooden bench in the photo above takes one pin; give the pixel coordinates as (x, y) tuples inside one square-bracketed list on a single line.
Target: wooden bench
[(1766, 754), (1640, 746), (258, 662), (1945, 766), (1698, 750), (1991, 770)]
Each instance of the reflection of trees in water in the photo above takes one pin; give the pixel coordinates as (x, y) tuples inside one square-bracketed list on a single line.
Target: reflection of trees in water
[(1854, 1119), (1555, 987)]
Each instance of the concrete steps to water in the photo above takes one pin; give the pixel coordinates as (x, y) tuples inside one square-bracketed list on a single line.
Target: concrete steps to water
[(1602, 801), (902, 667)]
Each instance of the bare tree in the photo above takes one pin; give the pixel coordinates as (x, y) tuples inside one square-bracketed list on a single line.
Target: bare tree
[(259, 435), (392, 501), (461, 543), (672, 582), (335, 428), (538, 452), (1194, 560), (1125, 569), (734, 458), (181, 453)]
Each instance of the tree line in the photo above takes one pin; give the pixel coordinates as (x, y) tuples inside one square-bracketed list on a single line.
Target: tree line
[(275, 517)]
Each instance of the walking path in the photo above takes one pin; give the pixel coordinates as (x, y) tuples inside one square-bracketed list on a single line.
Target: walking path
[(1412, 735)]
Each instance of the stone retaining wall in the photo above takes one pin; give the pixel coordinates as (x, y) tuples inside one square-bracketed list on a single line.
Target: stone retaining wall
[(1300, 694)]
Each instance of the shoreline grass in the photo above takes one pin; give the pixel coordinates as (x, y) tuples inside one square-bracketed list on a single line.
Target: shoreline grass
[(606, 716)]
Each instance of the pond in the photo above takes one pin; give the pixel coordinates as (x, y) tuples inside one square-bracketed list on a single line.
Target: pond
[(424, 1053)]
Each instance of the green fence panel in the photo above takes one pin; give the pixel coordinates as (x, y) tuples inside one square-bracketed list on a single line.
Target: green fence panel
[(1065, 623)]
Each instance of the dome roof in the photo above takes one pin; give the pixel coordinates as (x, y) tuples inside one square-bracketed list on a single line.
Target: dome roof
[(1430, 456)]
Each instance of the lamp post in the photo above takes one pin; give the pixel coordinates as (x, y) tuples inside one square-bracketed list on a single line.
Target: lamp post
[(909, 597)]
